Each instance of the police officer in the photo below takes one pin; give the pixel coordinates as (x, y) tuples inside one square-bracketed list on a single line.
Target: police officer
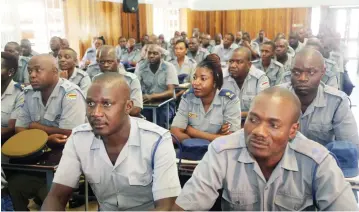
[(239, 40), (121, 48), (225, 50), (158, 80), (206, 43), (326, 114), (281, 54), (273, 69), (90, 55), (55, 46), (253, 46), (54, 105), (94, 69), (15, 49), (244, 80), (195, 52), (331, 74), (132, 56), (294, 42), (130, 163), (26, 50), (206, 111), (184, 65), (67, 59), (268, 166), (109, 63), (12, 97)]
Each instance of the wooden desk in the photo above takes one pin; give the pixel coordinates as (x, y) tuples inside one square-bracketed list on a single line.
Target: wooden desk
[(46, 163), (154, 105)]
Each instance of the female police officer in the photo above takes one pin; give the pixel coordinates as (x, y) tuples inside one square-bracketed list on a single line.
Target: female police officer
[(206, 111)]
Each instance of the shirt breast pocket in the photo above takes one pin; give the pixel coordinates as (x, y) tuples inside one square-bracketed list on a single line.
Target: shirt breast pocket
[(148, 80), (52, 118), (246, 201), (94, 178), (286, 202), (247, 100), (140, 186), (321, 131), (162, 80)]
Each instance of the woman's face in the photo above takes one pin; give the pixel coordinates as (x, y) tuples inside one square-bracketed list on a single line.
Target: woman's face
[(203, 82), (180, 50)]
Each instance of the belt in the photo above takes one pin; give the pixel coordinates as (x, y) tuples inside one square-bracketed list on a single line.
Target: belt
[(4, 192)]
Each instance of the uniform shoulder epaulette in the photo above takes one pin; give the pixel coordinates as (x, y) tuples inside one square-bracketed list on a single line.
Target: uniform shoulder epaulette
[(27, 88), (90, 50), (68, 86), (164, 65), (330, 62), (130, 75), (82, 128), (256, 61), (255, 72), (187, 92), (192, 60), (309, 148), (149, 126), (334, 92), (83, 73), (278, 63), (233, 141), (228, 93), (19, 86)]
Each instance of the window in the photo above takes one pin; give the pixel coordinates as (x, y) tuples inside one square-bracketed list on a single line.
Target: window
[(39, 24), (166, 21)]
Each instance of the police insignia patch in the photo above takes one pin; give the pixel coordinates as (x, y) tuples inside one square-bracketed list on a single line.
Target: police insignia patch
[(71, 96), (192, 115)]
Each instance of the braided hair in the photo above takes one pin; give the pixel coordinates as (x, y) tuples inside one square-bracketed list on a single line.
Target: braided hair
[(213, 63)]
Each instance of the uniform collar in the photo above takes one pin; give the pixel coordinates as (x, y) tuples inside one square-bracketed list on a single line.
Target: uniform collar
[(288, 161), (320, 100), (216, 99), (54, 93), (248, 77), (73, 74), (10, 89)]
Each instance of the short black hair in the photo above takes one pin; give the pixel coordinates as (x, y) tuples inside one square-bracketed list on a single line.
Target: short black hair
[(246, 50), (213, 62), (70, 49), (10, 61), (246, 34), (103, 40), (17, 46), (122, 38), (230, 34), (182, 41), (270, 43)]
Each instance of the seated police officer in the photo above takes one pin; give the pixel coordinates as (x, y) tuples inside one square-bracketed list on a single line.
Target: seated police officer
[(268, 165), (130, 163), (54, 105)]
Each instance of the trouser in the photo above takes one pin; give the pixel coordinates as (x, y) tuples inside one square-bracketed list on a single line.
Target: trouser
[(161, 114), (24, 186)]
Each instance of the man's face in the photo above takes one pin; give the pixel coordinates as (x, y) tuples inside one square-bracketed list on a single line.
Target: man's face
[(106, 108), (177, 34), (122, 42), (238, 36), (281, 48), (42, 71), (98, 43), (11, 48), (25, 48), (67, 59), (293, 41), (108, 61), (267, 52), (193, 45), (261, 35), (302, 34), (306, 75), (131, 43), (268, 127), (184, 35), (64, 43), (239, 65), (217, 40), (145, 39), (245, 37), (227, 42), (154, 55), (206, 39), (55, 44)]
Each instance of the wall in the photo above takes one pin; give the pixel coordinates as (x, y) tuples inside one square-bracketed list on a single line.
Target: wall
[(272, 21), (85, 19)]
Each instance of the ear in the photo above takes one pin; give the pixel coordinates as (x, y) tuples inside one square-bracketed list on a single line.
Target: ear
[(129, 106), (293, 131)]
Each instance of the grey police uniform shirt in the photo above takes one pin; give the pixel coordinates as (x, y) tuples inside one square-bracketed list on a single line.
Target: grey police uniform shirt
[(255, 82), (201, 54), (11, 102), (90, 55), (65, 108), (22, 75), (328, 117), (225, 107), (130, 184), (287, 66), (81, 79), (133, 56), (188, 67), (209, 48), (93, 70), (229, 165), (291, 51), (274, 71), (156, 82), (330, 77), (121, 53), (224, 54)]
